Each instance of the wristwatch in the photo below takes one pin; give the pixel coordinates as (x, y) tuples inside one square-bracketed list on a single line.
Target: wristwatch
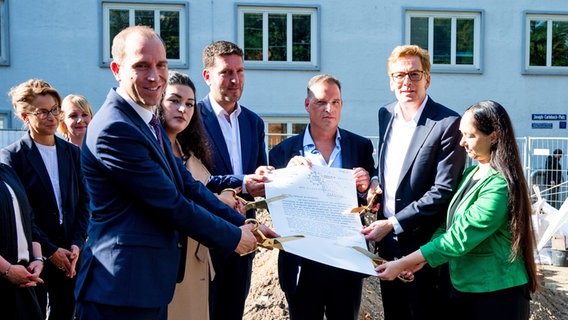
[(42, 259)]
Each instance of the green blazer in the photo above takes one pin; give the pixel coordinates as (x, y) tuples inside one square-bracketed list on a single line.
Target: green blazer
[(477, 245)]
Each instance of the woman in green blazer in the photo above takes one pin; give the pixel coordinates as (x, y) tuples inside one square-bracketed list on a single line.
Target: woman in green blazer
[(487, 239)]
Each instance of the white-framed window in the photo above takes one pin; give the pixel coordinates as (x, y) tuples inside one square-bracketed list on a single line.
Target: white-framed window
[(4, 40), (453, 38), (279, 128), (279, 37), (168, 19), (546, 43)]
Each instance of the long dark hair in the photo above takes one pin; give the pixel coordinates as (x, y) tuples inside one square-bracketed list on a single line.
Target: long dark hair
[(490, 116), (192, 139)]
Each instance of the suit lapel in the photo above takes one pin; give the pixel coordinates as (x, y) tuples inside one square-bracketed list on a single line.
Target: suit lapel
[(347, 152), (64, 161), (36, 162), (246, 141), (216, 135), (423, 129), (385, 123), (131, 114)]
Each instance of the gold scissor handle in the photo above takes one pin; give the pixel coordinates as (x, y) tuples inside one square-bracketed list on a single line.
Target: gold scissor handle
[(257, 230), (245, 202)]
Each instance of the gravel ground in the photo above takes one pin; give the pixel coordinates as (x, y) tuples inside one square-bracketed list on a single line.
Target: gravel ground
[(267, 302)]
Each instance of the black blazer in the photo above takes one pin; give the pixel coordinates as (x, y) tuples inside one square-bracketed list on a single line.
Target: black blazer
[(24, 157), (8, 237), (356, 151)]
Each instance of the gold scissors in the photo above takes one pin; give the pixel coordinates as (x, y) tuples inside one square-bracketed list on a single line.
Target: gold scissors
[(267, 242), (257, 204), (377, 261), (366, 209)]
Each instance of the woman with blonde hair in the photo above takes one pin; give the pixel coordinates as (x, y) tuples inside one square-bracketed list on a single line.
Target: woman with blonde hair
[(77, 114)]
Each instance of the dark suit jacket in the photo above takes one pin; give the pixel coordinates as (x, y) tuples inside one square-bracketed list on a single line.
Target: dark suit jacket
[(253, 152), (24, 157), (356, 151), (8, 237), (141, 198), (430, 173)]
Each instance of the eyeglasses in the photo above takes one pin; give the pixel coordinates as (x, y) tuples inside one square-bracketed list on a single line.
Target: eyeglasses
[(413, 75), (43, 114)]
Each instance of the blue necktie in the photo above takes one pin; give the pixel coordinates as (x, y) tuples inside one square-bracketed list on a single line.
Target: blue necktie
[(156, 126)]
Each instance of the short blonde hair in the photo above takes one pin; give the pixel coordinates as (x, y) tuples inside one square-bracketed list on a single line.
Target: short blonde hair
[(77, 101), (410, 50), (25, 93)]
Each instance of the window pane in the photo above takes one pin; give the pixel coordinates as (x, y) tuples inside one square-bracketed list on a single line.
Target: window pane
[(538, 43), (118, 20), (442, 40), (301, 37), (419, 32), (277, 128), (464, 50), (144, 18), (298, 127), (560, 44), (277, 37), (253, 36), (169, 31)]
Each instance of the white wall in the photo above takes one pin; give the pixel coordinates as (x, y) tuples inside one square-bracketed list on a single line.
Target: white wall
[(58, 41)]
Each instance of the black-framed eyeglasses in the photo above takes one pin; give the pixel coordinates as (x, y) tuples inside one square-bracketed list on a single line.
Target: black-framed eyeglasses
[(43, 114), (416, 75)]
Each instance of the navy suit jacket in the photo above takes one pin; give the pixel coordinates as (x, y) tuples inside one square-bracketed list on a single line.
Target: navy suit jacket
[(24, 157), (430, 172), (144, 201), (356, 151), (253, 152)]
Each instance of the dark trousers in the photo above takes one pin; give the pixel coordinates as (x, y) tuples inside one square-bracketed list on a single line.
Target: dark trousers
[(511, 303), (60, 290), (230, 287), (323, 289), (87, 310), (424, 298)]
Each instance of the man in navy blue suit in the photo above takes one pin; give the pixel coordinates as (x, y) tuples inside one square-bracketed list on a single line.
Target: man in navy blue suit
[(236, 135), (144, 201), (420, 164), (312, 288)]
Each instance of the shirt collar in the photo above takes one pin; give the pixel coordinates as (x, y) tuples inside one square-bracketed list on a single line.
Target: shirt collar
[(144, 113), (219, 111), (308, 142), (418, 114)]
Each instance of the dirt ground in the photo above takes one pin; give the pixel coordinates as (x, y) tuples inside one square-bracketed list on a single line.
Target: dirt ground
[(266, 300)]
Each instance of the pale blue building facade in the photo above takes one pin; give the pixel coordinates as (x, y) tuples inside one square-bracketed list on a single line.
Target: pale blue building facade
[(514, 52)]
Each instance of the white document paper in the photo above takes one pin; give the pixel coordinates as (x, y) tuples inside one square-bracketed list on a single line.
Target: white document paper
[(318, 207)]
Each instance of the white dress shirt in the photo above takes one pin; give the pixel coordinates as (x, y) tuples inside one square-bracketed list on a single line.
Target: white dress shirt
[(397, 143)]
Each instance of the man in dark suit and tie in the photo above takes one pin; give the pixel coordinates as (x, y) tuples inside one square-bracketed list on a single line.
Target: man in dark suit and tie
[(144, 201), (236, 135), (420, 165), (312, 288)]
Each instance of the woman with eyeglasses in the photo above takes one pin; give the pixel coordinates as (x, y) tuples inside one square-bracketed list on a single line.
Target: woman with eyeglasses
[(50, 170), (178, 116), (77, 114)]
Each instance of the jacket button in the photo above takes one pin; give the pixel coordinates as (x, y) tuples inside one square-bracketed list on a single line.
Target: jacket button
[(179, 245)]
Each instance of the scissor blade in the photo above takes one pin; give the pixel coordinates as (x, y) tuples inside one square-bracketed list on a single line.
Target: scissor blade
[(277, 242), (263, 203), (375, 258)]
